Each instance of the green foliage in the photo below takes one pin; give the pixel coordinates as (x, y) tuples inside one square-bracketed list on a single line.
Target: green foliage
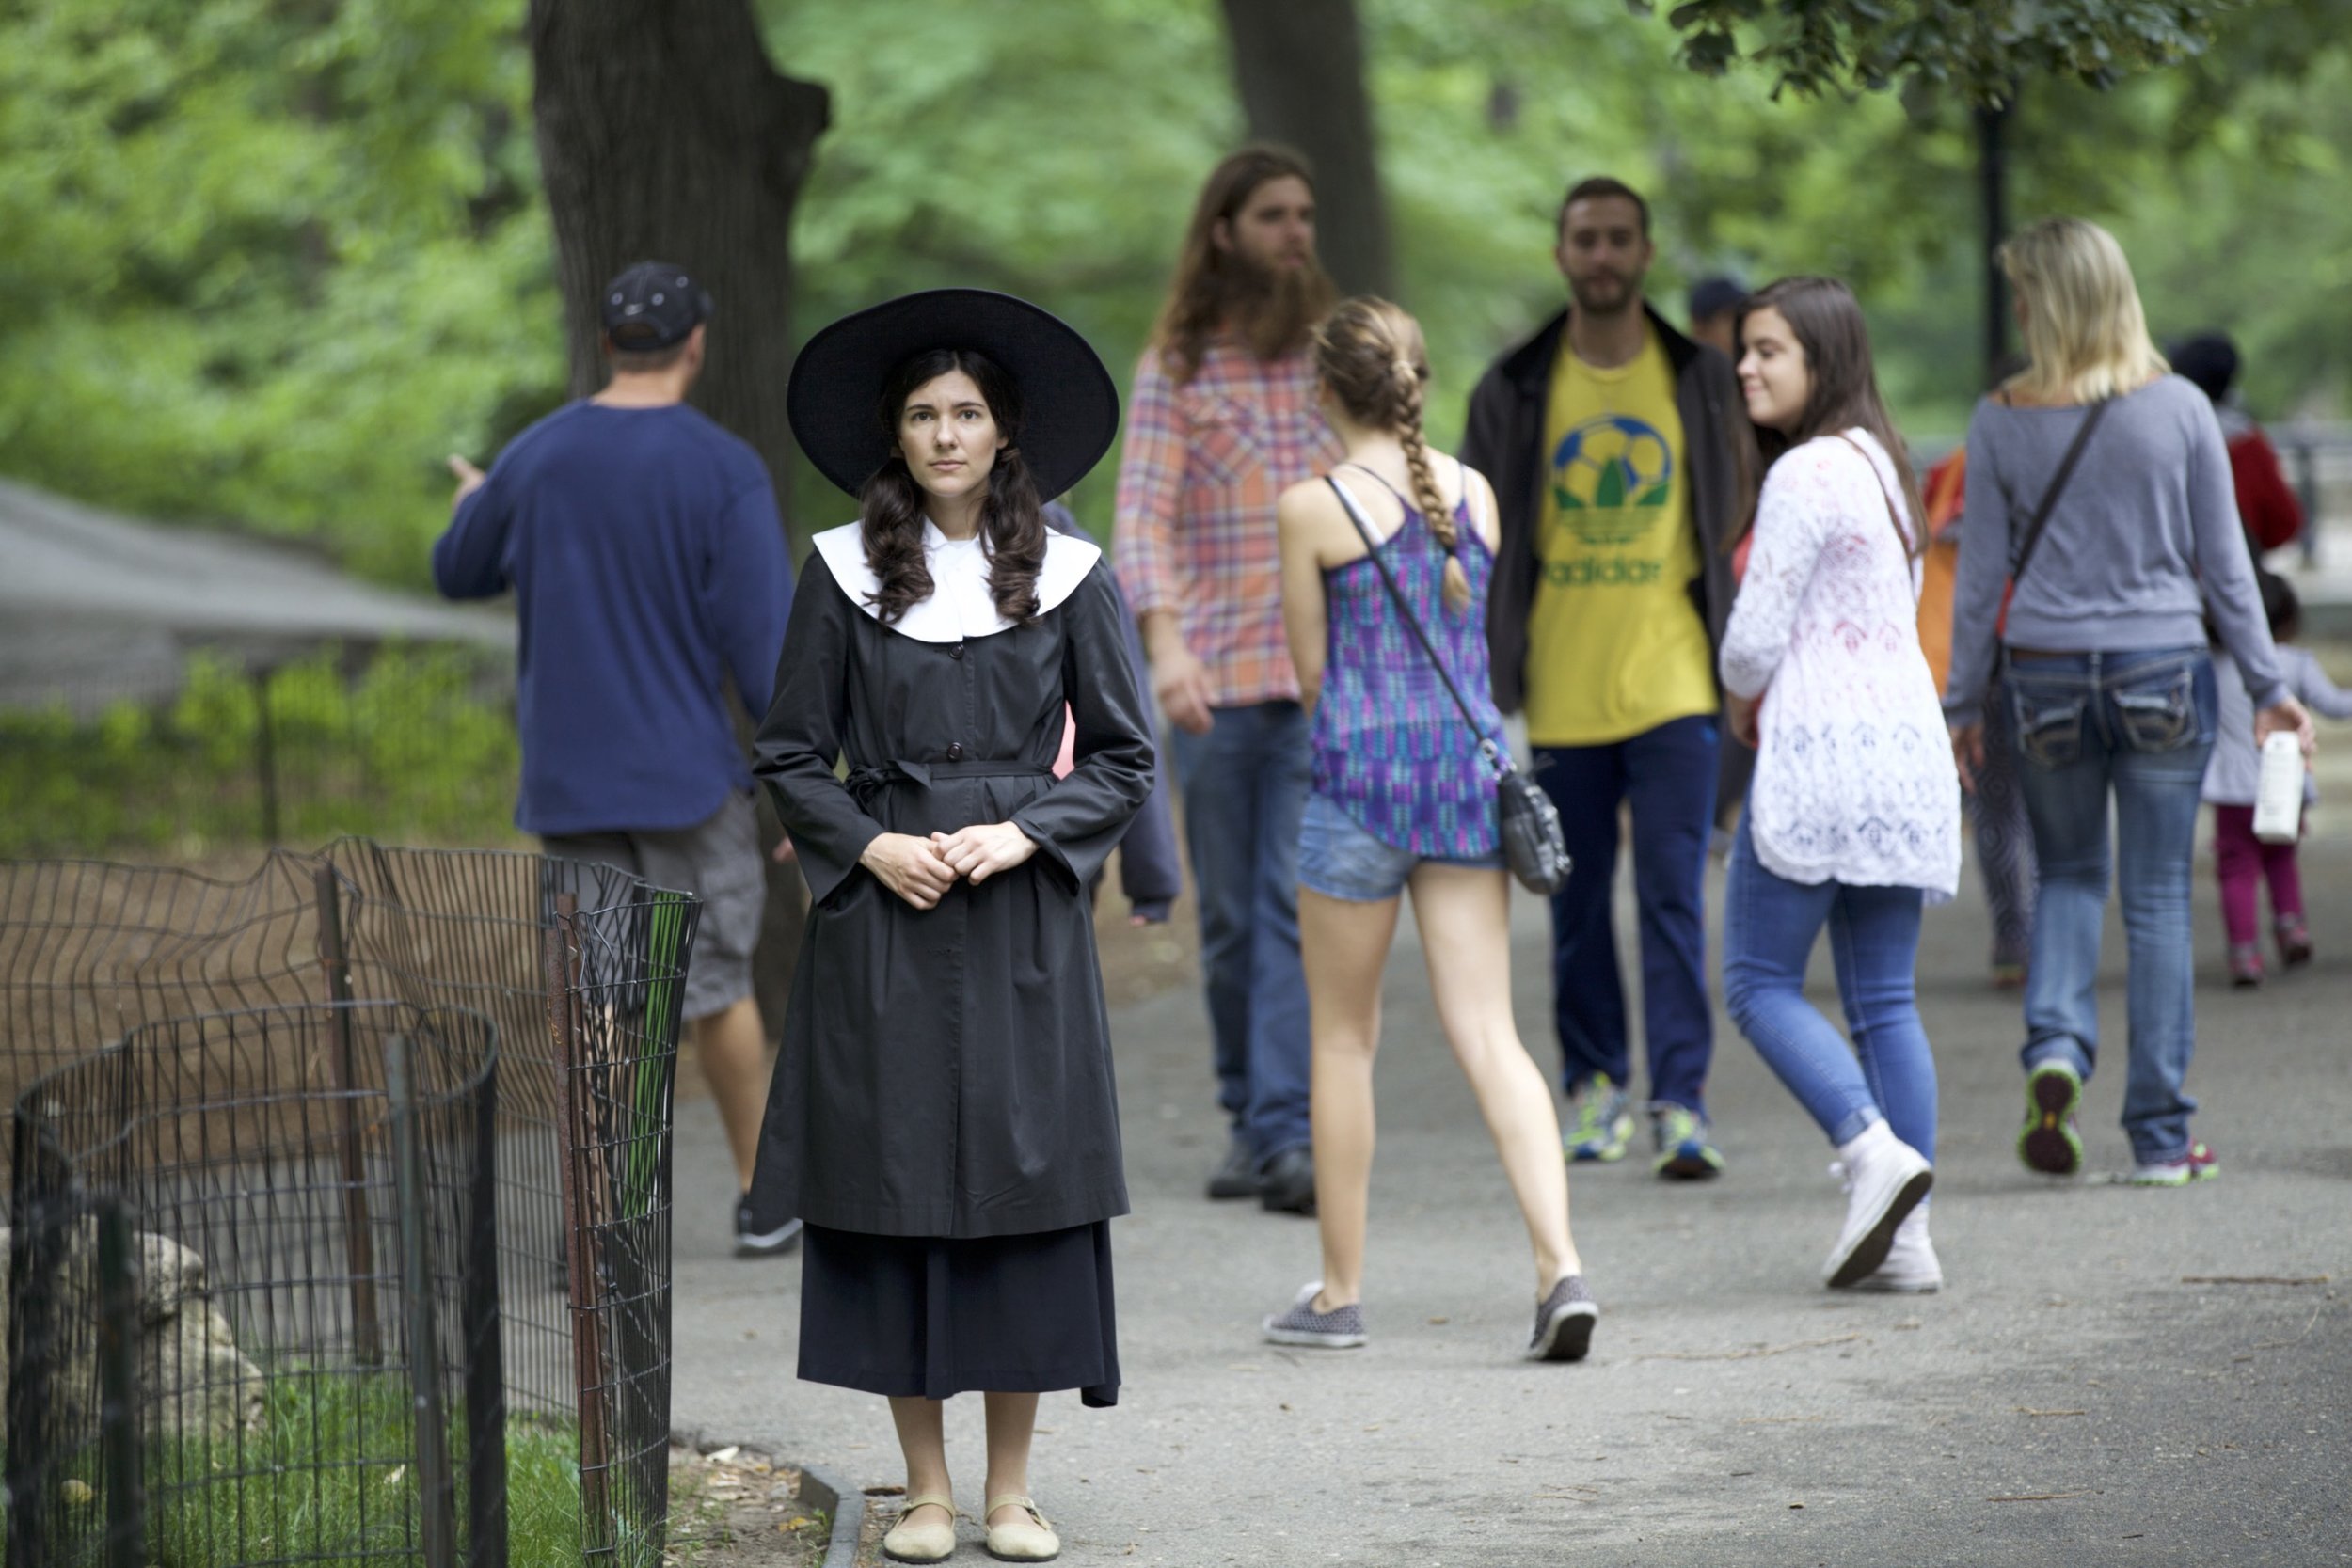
[(268, 261), (1978, 48), (410, 747)]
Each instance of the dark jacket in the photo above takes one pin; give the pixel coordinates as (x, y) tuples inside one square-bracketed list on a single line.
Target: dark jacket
[(1148, 871), (947, 1071), (1504, 441)]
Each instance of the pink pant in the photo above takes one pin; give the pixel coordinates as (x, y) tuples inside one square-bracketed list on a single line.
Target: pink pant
[(2243, 861)]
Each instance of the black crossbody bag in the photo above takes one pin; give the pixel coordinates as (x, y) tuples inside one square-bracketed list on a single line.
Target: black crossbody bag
[(1532, 842)]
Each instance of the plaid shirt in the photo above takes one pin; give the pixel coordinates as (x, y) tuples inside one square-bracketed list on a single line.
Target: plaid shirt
[(1203, 466)]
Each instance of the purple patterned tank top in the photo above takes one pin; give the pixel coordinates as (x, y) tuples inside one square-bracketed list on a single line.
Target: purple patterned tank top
[(1391, 747)]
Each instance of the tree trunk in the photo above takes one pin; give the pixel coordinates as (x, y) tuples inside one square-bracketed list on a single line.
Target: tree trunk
[(1993, 197), (1300, 66), (666, 135)]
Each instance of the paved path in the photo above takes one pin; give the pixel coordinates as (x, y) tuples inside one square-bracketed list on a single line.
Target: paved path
[(2068, 1399)]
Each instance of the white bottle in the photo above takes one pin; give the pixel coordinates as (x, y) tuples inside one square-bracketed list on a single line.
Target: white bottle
[(2279, 789)]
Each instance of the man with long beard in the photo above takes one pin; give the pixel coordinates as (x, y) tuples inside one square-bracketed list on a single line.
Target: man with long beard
[(1623, 462), (1223, 418)]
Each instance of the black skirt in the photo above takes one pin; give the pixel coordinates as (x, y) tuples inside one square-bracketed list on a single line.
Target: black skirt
[(929, 1316)]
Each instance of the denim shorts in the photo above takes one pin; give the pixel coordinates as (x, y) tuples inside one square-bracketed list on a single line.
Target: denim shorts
[(1338, 859)]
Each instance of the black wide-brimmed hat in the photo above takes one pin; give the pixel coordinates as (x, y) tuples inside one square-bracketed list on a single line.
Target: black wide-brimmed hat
[(1071, 405)]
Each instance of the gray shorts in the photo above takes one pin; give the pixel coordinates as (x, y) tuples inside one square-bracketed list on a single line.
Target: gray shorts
[(718, 861)]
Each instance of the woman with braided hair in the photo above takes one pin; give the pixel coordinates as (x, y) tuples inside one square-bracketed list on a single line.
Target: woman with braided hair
[(1403, 797)]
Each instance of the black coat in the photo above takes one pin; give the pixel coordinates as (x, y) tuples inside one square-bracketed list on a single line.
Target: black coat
[(947, 1071), (1504, 441)]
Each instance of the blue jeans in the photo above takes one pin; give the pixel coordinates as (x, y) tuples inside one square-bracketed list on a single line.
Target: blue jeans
[(1769, 926), (1338, 858), (1245, 787), (2138, 725), (1668, 774)]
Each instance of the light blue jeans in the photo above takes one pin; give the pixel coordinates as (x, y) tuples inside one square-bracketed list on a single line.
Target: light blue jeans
[(1769, 924), (2138, 726)]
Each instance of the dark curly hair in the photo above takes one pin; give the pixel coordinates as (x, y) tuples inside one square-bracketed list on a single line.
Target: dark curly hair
[(1012, 518)]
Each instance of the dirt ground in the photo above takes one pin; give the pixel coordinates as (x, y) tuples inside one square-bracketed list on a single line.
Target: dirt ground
[(737, 1508)]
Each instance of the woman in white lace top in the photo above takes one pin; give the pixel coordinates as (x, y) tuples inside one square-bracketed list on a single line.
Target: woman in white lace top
[(1854, 819)]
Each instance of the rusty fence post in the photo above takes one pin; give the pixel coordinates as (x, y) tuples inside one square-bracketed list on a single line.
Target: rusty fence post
[(367, 1334)]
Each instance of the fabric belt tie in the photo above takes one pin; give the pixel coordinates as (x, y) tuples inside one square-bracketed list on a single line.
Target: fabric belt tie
[(866, 783)]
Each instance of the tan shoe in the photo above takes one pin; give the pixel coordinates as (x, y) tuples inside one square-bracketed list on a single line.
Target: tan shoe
[(931, 1541), (1027, 1539)]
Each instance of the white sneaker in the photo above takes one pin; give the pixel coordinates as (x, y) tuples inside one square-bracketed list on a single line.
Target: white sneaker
[(1885, 1179), (1911, 1267)]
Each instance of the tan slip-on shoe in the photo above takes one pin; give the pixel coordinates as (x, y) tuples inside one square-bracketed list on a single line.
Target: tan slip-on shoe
[(1027, 1539), (933, 1541)]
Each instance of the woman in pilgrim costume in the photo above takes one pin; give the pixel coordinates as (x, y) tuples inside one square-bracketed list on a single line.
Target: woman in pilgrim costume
[(943, 1115)]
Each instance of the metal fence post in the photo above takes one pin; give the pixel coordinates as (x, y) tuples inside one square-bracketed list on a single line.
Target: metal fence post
[(35, 1249), (584, 1279), (485, 1366), (367, 1337), (265, 754), (117, 1382), (435, 1485)]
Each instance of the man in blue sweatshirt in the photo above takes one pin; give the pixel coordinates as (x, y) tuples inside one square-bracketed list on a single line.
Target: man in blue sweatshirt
[(647, 560)]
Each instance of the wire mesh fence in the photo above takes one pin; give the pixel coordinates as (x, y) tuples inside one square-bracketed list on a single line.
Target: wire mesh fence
[(253, 1319), (578, 971), (620, 973)]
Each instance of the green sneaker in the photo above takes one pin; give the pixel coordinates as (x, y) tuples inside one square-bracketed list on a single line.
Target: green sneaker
[(2050, 1142), (1684, 1150), (1604, 1121)]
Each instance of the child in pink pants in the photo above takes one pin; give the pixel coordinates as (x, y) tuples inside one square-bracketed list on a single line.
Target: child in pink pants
[(2243, 861)]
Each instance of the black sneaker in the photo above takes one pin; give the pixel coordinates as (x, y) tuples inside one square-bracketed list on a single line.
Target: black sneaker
[(1237, 1177), (1289, 1182), (1563, 1322), (752, 1242)]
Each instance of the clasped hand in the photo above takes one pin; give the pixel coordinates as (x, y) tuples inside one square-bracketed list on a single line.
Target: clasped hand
[(921, 870)]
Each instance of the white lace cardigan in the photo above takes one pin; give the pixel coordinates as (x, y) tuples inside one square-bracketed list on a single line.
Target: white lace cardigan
[(1854, 780)]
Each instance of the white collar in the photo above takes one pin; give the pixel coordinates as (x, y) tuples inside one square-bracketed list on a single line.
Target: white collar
[(960, 606)]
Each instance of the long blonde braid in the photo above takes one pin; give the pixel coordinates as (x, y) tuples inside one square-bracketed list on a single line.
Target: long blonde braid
[(1407, 377), (1369, 354)]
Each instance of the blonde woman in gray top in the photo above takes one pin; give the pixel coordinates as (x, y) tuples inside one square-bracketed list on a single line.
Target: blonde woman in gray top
[(2111, 684)]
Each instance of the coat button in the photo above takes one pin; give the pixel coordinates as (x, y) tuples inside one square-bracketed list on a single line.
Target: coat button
[(955, 752), (955, 652)]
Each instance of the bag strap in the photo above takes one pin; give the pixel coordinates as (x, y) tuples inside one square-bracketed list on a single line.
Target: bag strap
[(1500, 759), (1893, 519), (2058, 487)]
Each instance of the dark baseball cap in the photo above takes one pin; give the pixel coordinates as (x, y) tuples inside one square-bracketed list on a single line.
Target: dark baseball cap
[(1712, 296), (652, 305)]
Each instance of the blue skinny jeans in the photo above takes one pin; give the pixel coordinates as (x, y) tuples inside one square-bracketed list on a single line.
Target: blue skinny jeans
[(1770, 925)]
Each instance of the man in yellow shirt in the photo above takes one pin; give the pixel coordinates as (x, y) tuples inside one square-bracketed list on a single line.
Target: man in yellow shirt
[(1624, 467)]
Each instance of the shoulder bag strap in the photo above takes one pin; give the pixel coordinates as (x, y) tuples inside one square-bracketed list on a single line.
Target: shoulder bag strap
[(1893, 518), (1495, 756), (2057, 486)]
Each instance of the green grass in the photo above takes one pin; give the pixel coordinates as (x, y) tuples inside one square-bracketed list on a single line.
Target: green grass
[(326, 1478)]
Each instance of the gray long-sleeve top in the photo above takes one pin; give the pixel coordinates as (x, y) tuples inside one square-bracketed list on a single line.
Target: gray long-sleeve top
[(2145, 538)]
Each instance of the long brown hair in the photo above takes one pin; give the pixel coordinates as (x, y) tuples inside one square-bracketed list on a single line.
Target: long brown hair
[(1827, 320), (1376, 364), (1208, 279), (891, 507)]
